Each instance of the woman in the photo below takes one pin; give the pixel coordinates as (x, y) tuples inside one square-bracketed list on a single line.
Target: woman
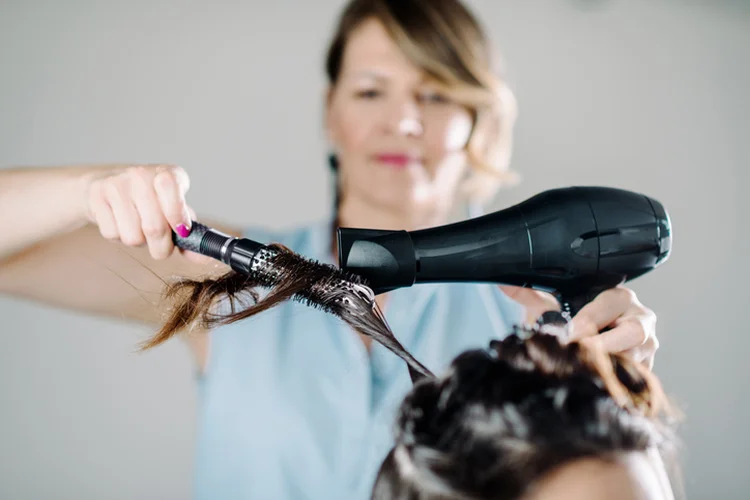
[(294, 404)]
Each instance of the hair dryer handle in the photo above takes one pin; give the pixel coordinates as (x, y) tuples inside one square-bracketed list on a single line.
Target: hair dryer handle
[(570, 306)]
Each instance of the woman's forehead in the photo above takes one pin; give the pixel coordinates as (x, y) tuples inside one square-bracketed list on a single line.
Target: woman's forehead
[(370, 52)]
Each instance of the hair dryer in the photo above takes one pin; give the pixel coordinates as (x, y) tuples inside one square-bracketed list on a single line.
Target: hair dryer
[(573, 242)]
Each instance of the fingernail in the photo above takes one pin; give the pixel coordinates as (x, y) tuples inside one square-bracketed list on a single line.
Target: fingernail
[(182, 230)]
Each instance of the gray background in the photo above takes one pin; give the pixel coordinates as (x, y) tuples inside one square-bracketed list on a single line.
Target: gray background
[(642, 94)]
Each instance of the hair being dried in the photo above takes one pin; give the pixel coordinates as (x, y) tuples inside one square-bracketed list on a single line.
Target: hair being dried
[(503, 417), (289, 276)]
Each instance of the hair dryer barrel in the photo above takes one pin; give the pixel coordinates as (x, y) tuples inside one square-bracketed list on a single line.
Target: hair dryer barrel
[(567, 241), (478, 250)]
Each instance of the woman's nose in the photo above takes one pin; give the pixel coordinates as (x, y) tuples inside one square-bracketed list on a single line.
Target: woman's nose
[(405, 118)]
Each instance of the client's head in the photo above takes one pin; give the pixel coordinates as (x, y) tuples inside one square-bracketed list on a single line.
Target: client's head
[(530, 418)]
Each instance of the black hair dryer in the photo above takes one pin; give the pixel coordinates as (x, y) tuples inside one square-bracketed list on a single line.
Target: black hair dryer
[(573, 242)]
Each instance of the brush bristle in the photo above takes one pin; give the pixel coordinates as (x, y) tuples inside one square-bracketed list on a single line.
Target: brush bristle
[(326, 287), (342, 294)]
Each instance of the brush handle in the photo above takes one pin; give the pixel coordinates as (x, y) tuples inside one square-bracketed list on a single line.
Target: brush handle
[(192, 241), (207, 241), (235, 252)]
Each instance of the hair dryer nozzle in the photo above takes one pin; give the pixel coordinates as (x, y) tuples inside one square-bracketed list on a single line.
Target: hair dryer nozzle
[(385, 259)]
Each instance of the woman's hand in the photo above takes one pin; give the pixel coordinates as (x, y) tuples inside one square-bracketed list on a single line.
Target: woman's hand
[(142, 204), (633, 326)]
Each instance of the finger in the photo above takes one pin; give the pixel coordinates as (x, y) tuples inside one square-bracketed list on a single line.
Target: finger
[(178, 174), (170, 191), (530, 295), (535, 302), (194, 257), (600, 312), (649, 362), (182, 178), (154, 225), (646, 353), (626, 336), (126, 216), (636, 356), (511, 291), (103, 216)]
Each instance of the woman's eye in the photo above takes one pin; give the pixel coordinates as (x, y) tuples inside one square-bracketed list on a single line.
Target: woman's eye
[(433, 97), (368, 94)]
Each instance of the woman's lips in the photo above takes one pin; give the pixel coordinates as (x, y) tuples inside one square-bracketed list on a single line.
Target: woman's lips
[(396, 160)]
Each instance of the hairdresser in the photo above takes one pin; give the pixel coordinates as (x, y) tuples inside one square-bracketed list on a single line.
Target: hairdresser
[(294, 405)]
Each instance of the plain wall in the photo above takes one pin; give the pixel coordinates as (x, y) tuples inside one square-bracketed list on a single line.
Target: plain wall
[(645, 95)]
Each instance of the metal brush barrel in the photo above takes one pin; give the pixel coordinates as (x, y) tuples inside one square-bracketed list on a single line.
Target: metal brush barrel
[(238, 253), (251, 258)]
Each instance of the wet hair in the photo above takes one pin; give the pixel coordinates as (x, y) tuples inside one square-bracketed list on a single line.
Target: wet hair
[(501, 418), (234, 296), (446, 41)]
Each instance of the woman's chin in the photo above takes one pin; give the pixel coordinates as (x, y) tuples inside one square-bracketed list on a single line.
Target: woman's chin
[(407, 201), (409, 210), (401, 201)]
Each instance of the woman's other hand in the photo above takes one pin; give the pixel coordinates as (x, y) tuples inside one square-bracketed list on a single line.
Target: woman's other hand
[(633, 325)]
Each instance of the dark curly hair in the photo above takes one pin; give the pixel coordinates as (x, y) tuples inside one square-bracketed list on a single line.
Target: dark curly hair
[(501, 418)]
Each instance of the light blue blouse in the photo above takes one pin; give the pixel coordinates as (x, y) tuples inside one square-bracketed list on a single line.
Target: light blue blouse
[(294, 407)]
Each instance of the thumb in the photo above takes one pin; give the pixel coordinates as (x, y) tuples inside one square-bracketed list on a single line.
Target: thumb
[(170, 186), (536, 302)]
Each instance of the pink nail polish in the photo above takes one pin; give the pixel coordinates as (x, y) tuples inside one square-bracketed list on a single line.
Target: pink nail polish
[(182, 230)]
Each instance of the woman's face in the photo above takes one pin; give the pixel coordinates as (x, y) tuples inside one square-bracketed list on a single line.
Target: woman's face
[(399, 143), (629, 476)]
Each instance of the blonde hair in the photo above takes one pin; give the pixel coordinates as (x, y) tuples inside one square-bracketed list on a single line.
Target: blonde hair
[(445, 40)]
